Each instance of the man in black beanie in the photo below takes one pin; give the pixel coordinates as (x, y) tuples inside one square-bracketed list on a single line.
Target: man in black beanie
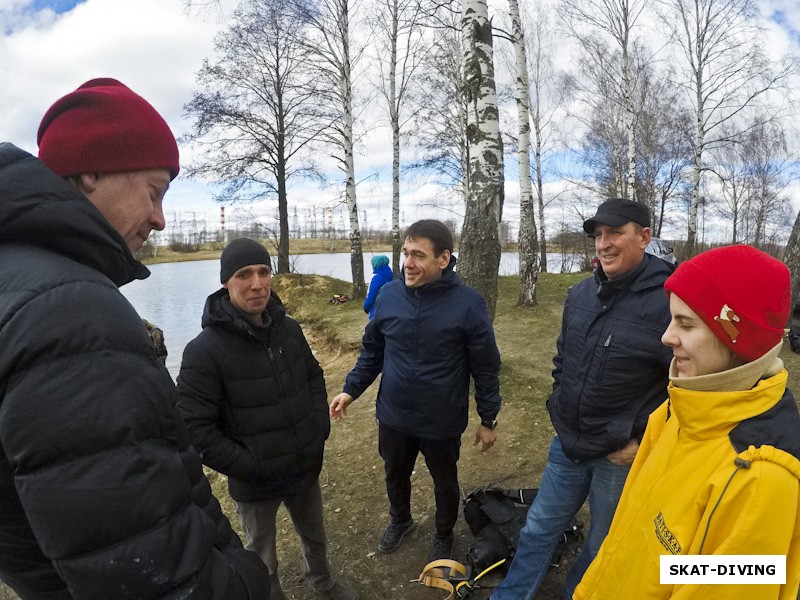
[(254, 399)]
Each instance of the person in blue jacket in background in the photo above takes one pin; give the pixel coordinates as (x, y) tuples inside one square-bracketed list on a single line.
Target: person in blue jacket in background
[(382, 275)]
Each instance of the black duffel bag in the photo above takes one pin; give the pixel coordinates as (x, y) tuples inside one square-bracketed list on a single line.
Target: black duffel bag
[(495, 517)]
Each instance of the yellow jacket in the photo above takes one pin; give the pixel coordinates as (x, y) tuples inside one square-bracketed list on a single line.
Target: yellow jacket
[(685, 495)]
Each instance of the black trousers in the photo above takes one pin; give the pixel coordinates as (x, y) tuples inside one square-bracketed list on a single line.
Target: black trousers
[(399, 452)]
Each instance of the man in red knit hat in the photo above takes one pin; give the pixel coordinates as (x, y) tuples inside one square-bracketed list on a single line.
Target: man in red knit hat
[(718, 469), (101, 494)]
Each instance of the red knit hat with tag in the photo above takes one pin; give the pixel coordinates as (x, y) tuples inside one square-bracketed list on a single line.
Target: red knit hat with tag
[(105, 127), (741, 293)]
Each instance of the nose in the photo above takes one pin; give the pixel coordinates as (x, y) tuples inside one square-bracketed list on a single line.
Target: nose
[(157, 219), (669, 338)]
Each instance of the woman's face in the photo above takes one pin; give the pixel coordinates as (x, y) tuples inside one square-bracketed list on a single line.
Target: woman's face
[(696, 349)]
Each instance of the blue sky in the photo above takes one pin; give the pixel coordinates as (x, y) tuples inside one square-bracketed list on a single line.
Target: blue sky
[(57, 6)]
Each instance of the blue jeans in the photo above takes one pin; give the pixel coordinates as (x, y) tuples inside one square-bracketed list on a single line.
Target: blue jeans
[(565, 486)]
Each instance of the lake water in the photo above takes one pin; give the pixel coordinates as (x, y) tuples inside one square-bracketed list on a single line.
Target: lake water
[(174, 295)]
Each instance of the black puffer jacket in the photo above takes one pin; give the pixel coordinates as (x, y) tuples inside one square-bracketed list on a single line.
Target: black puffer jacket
[(256, 406), (611, 369), (101, 495), (428, 341)]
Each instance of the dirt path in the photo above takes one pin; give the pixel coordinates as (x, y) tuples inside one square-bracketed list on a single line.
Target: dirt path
[(357, 509)]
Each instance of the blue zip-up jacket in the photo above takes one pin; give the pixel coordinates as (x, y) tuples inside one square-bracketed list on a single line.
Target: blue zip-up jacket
[(382, 275), (427, 342), (611, 369)]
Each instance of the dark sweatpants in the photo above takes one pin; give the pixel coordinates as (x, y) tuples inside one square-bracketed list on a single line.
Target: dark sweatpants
[(399, 452)]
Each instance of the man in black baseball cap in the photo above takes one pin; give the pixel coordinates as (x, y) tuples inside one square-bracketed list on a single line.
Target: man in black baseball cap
[(611, 372)]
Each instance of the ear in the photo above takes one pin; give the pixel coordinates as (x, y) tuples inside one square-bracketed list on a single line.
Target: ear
[(87, 183), (645, 237), (444, 259), (225, 285)]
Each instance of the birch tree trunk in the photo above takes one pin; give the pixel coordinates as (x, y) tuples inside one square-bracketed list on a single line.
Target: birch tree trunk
[(330, 45), (399, 33), (346, 85), (528, 243), (479, 251)]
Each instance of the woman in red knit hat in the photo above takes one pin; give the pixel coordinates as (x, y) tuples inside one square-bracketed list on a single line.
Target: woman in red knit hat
[(718, 471)]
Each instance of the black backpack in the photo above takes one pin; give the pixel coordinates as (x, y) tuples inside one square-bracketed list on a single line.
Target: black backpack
[(495, 517)]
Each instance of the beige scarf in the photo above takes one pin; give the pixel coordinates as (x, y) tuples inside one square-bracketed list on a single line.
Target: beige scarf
[(740, 378)]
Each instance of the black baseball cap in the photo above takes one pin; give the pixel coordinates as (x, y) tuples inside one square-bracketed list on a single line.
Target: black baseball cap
[(616, 212)]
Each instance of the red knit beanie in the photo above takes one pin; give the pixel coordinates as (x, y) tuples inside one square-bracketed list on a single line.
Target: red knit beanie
[(104, 127), (741, 293)]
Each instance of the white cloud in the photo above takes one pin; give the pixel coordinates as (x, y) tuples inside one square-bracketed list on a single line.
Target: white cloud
[(154, 47)]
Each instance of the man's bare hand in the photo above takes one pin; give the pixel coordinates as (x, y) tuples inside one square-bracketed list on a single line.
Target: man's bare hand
[(486, 437), (339, 406), (624, 456)]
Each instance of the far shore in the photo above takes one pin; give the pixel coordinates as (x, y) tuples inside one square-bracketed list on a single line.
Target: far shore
[(212, 251)]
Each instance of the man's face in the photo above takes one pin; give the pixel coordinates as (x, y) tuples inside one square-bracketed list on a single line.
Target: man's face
[(696, 349), (249, 288), (131, 202), (621, 248), (421, 265)]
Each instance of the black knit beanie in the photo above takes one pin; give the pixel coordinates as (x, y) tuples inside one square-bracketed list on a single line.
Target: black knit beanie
[(239, 253)]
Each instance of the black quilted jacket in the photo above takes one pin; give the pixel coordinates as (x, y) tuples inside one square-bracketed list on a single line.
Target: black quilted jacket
[(101, 495), (256, 406)]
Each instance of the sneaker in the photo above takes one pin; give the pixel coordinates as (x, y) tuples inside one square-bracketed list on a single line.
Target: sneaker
[(394, 534), (339, 592), (442, 547)]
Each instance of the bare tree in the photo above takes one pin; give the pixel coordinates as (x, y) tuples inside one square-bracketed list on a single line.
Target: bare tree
[(768, 174), (547, 95), (664, 147), (603, 147), (528, 244), (440, 106), (592, 23), (400, 48), (730, 168), (330, 46), (479, 252), (724, 71), (254, 116)]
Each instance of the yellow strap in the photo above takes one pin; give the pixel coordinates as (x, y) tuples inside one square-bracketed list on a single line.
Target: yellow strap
[(436, 574)]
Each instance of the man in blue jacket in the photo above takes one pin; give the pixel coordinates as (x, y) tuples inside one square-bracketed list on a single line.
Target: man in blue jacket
[(428, 335), (611, 372)]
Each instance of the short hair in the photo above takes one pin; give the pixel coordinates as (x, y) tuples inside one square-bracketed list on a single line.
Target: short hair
[(436, 231)]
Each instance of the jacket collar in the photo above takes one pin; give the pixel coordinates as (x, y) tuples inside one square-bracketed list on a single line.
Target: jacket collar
[(220, 312), (705, 415)]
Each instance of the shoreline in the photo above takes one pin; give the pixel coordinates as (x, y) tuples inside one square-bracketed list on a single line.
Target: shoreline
[(212, 251)]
